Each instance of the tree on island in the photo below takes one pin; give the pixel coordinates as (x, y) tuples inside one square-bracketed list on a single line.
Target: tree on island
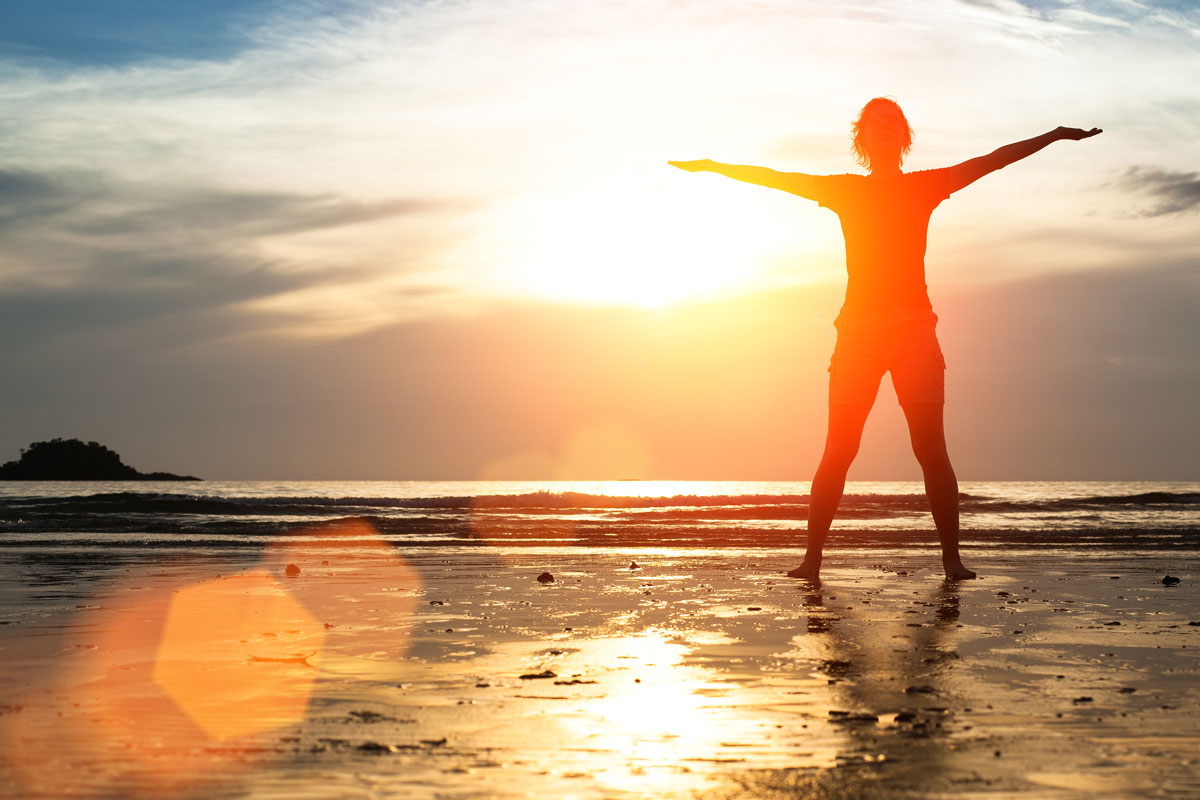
[(73, 460)]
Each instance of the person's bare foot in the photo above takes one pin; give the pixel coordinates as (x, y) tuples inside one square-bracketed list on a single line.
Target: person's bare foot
[(957, 572), (809, 570)]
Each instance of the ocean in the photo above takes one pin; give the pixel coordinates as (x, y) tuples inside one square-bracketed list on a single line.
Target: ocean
[(130, 517)]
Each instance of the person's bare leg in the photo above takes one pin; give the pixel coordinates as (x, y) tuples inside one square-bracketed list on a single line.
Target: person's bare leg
[(925, 427), (846, 423)]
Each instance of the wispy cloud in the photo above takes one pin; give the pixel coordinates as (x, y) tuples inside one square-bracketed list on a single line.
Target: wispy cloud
[(1174, 192), (91, 204), (86, 252)]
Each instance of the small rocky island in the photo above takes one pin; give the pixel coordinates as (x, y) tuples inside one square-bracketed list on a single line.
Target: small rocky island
[(73, 460)]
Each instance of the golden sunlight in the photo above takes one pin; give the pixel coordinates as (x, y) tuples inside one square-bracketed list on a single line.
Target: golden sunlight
[(646, 249)]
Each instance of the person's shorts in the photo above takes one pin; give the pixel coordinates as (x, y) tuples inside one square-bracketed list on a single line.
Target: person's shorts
[(912, 356)]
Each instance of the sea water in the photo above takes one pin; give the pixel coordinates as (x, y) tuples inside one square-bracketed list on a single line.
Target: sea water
[(241, 514)]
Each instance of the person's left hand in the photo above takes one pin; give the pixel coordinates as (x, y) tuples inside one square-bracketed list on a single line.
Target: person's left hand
[(1076, 134)]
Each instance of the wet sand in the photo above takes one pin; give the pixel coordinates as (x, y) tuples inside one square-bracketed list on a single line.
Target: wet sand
[(455, 673)]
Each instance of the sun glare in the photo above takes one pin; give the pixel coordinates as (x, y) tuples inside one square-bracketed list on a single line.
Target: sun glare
[(640, 249)]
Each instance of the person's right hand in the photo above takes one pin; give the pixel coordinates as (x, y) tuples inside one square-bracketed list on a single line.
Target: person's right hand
[(693, 166), (1076, 134)]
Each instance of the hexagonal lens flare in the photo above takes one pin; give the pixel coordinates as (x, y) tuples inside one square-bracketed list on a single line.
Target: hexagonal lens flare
[(234, 654)]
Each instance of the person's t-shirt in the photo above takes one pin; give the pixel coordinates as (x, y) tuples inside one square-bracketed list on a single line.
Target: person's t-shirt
[(884, 222)]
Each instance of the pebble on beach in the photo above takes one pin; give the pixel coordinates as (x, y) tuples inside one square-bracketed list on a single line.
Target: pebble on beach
[(545, 577), (292, 571), (1170, 580)]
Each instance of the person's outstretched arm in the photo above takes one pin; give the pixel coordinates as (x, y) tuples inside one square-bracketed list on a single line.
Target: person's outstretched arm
[(968, 172), (792, 182)]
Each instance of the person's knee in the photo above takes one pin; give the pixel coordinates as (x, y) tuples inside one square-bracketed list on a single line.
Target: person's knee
[(837, 460), (928, 441), (932, 457), (845, 433)]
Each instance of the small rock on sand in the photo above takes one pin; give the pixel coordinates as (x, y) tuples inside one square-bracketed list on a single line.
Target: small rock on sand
[(535, 675), (1170, 580), (634, 565), (545, 577), (292, 571)]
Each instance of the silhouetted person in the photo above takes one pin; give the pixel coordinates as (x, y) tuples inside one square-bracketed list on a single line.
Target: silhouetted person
[(887, 322)]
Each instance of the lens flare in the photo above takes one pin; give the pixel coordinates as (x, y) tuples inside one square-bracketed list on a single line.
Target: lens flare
[(234, 655)]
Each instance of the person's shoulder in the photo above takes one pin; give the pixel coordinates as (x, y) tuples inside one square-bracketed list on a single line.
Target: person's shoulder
[(934, 182), (927, 176)]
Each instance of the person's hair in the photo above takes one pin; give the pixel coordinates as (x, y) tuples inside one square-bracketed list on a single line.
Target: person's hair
[(872, 111)]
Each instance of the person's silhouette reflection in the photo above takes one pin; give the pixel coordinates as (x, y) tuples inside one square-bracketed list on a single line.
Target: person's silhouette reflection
[(891, 699)]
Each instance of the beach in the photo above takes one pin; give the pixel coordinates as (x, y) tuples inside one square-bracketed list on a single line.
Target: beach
[(636, 672)]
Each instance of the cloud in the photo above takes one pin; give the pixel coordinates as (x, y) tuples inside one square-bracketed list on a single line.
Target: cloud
[(85, 252), (122, 32), (125, 289), (1175, 192), (236, 215), (95, 205), (26, 196)]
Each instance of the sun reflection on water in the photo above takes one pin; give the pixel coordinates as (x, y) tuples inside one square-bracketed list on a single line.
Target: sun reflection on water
[(669, 721)]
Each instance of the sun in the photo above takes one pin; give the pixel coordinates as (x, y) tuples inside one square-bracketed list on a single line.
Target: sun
[(647, 249)]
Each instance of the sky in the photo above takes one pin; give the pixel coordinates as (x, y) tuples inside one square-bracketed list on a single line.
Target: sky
[(439, 240)]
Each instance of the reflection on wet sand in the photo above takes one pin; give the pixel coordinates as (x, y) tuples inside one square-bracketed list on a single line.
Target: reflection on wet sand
[(695, 673), (887, 683)]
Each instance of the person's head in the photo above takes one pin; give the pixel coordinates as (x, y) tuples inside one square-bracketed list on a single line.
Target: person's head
[(881, 136)]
